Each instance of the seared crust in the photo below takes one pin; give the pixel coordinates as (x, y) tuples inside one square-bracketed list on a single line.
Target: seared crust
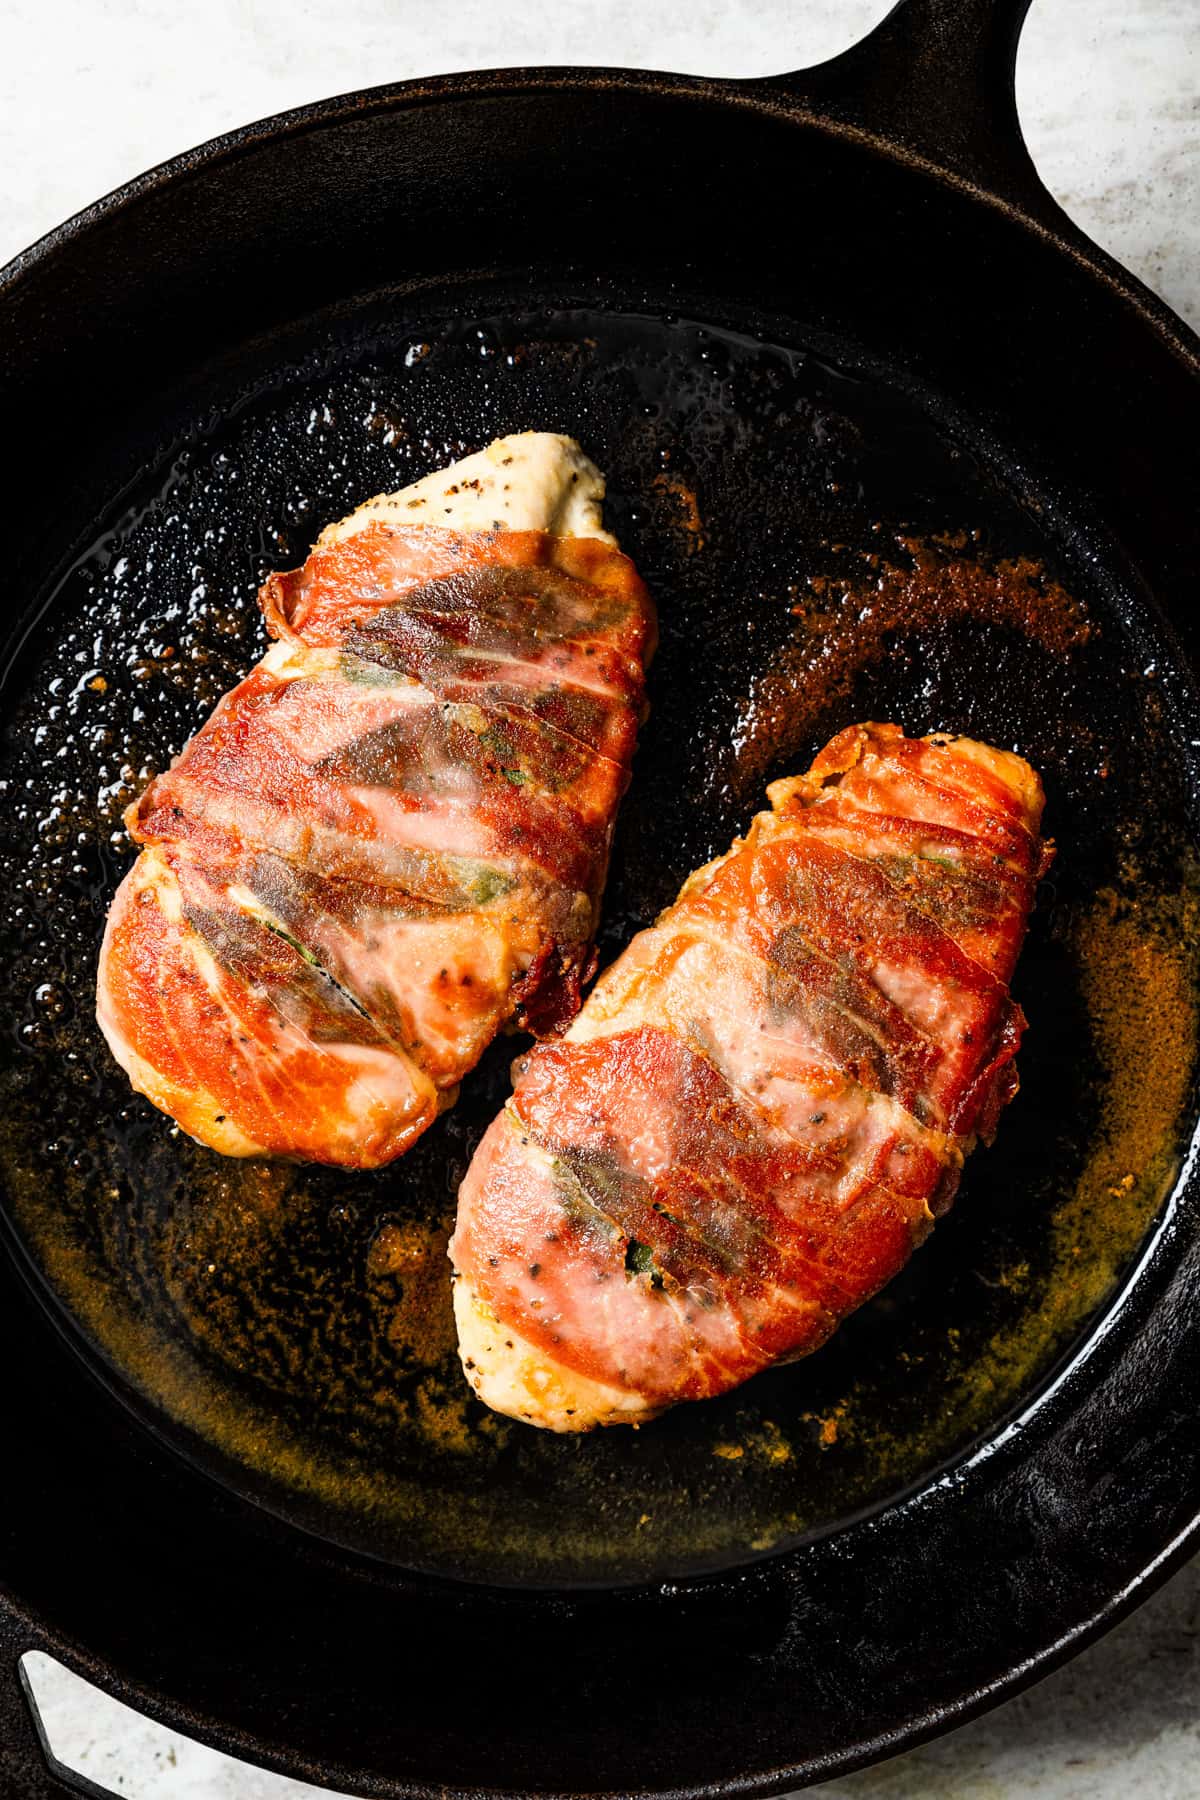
[(517, 1378)]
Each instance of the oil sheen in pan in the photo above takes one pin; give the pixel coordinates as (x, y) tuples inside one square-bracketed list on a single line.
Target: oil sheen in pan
[(820, 550)]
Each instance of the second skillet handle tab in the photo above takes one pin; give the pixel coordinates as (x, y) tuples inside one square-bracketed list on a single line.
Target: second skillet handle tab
[(26, 1770), (937, 78)]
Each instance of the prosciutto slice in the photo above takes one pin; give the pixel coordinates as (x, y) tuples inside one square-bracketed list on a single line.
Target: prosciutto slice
[(766, 1101), (391, 838)]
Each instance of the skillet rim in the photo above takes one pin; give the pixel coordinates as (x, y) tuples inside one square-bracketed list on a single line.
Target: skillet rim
[(774, 94)]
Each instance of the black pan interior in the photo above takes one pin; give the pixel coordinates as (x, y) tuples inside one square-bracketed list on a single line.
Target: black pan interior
[(825, 541)]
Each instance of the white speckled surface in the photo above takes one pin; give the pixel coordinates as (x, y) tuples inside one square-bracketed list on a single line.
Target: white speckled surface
[(94, 91)]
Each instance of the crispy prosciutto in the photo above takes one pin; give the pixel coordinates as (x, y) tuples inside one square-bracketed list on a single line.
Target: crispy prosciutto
[(766, 1101), (391, 839)]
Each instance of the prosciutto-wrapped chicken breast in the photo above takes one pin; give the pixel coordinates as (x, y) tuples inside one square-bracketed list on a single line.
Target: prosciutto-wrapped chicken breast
[(767, 1099), (390, 839)]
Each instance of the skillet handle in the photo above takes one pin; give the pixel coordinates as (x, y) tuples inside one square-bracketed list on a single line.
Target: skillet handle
[(936, 78), (27, 1771)]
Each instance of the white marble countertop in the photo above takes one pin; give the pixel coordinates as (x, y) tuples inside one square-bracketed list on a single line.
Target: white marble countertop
[(94, 91)]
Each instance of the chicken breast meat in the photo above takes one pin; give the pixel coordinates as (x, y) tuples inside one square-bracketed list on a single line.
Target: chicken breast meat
[(766, 1101), (391, 838)]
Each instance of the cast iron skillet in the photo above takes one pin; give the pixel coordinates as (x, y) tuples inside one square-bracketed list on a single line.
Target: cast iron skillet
[(856, 249)]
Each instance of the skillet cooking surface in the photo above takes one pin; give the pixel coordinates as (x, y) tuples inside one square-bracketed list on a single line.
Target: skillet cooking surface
[(823, 546)]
